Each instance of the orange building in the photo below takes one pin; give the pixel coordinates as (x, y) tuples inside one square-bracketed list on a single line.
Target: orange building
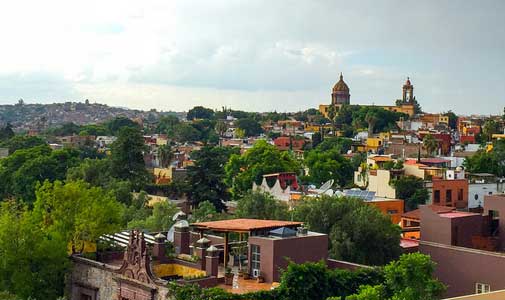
[(390, 207), (452, 193)]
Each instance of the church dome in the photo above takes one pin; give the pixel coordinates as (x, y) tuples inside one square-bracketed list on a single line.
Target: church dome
[(341, 86)]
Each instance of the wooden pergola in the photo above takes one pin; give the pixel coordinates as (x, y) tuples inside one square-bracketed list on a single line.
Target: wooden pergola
[(241, 226)]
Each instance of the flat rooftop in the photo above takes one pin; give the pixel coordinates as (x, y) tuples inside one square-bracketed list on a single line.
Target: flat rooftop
[(457, 214), (243, 225)]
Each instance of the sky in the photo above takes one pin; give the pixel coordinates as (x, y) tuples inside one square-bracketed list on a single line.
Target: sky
[(254, 55)]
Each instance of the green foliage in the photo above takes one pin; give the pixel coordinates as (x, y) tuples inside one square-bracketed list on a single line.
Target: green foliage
[(453, 119), (430, 143), (206, 176), (250, 127), (166, 154), (206, 211), (328, 164), (258, 205), (199, 112), (23, 170), (127, 159), (19, 142), (166, 124), (489, 128), (184, 132), (6, 132), (372, 117), (76, 211), (33, 262), (342, 145), (411, 278), (488, 162), (64, 130), (160, 220), (262, 158), (411, 190), (368, 292), (115, 125), (358, 232)]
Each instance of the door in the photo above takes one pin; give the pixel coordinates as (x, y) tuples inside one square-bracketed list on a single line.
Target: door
[(255, 260)]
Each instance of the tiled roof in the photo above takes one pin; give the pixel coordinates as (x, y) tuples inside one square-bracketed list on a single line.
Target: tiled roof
[(243, 225), (381, 158)]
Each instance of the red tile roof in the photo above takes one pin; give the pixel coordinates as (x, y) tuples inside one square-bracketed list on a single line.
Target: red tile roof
[(243, 225)]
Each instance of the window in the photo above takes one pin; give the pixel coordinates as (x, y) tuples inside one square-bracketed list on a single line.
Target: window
[(436, 196), (460, 195), (448, 196), (481, 288)]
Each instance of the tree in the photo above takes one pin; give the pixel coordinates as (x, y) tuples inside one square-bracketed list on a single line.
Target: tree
[(206, 176), (358, 232), (115, 125), (411, 278), (18, 142), (221, 128), (165, 155), (199, 112), (489, 128), (127, 157), (160, 220), (488, 162), (184, 132), (411, 189), (261, 159), (430, 143), (250, 127), (342, 145), (316, 139), (453, 119), (33, 263), (326, 165), (259, 205), (206, 211), (166, 124), (77, 212), (6, 132), (371, 118)]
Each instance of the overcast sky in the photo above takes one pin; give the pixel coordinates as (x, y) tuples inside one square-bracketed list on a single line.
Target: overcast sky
[(253, 55)]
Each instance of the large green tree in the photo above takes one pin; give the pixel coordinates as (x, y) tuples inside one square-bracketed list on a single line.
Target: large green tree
[(358, 232), (250, 126), (411, 190), (127, 157), (199, 112), (261, 159), (18, 142), (326, 165), (77, 212), (33, 262), (161, 218), (206, 176), (115, 125), (6, 132), (259, 205), (488, 162)]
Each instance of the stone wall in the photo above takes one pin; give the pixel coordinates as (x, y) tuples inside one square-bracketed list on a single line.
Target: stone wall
[(101, 281)]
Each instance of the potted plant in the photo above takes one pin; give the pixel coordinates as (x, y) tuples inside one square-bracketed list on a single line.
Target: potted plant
[(228, 276)]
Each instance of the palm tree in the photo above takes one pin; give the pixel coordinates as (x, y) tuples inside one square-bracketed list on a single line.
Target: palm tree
[(430, 143), (165, 155), (371, 118)]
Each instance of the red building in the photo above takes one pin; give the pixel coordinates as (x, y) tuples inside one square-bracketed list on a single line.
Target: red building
[(289, 143), (453, 193)]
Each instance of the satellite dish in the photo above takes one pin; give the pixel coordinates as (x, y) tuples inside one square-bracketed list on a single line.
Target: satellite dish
[(177, 215), (328, 184)]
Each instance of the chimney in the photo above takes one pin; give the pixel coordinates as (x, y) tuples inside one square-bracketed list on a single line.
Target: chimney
[(181, 237), (159, 247), (212, 261), (201, 250)]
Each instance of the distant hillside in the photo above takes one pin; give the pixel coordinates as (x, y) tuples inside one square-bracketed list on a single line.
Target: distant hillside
[(41, 116)]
